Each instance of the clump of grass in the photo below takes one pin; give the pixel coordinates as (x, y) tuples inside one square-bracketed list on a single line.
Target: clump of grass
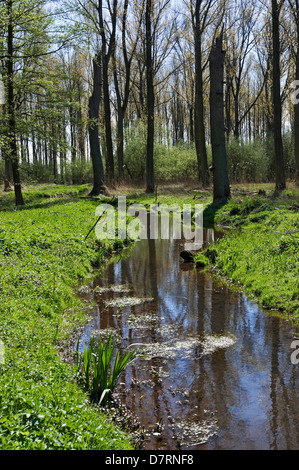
[(98, 370)]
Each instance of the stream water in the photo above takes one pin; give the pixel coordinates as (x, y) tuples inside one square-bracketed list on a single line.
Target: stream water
[(216, 371)]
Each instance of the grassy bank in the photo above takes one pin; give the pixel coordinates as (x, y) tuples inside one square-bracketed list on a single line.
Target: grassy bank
[(260, 252), (42, 257)]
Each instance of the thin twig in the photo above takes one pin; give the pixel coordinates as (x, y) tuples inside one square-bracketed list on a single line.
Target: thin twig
[(92, 228)]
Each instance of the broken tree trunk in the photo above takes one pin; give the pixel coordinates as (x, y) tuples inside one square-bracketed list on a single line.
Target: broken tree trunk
[(220, 169)]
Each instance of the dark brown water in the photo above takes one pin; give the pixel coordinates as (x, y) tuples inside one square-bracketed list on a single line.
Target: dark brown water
[(217, 372)]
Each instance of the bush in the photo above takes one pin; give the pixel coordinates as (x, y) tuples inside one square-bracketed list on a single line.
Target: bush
[(135, 150), (36, 172), (249, 162), (176, 163), (171, 163), (79, 172), (253, 162)]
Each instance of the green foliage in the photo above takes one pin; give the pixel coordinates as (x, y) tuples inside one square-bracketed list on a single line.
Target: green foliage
[(78, 172), (171, 163), (247, 162), (95, 369), (135, 150), (36, 172), (176, 163), (254, 161), (41, 409)]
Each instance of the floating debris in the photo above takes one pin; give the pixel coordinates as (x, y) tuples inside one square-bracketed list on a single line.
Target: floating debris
[(212, 343), (186, 348), (143, 320), (159, 372), (193, 434), (121, 288), (127, 301), (84, 290)]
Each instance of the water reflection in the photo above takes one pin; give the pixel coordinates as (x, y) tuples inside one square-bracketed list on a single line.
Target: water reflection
[(242, 394)]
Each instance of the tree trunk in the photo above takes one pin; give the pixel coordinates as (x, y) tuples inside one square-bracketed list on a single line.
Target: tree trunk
[(191, 125), (200, 137), (120, 143), (95, 150), (296, 109), (12, 141), (150, 175), (7, 176), (236, 110), (107, 52), (108, 129), (220, 170), (277, 120)]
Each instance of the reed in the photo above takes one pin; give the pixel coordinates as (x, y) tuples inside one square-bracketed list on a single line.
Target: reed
[(100, 366)]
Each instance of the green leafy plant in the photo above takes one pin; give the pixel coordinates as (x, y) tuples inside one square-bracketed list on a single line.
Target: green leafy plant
[(100, 366)]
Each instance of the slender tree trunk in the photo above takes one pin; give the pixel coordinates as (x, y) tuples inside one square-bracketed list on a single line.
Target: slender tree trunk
[(46, 152), (200, 137), (95, 149), (277, 120), (120, 143), (81, 137), (296, 109), (220, 170), (150, 175), (191, 125), (236, 111), (55, 165), (108, 128), (107, 52), (73, 142), (7, 175), (12, 141)]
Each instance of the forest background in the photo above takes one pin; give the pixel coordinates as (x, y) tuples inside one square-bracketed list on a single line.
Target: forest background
[(117, 92)]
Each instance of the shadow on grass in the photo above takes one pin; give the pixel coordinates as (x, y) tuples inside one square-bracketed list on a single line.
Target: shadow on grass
[(210, 212), (9, 206), (44, 199)]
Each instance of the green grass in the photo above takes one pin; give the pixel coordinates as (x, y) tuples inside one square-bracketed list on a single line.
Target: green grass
[(261, 251), (42, 257)]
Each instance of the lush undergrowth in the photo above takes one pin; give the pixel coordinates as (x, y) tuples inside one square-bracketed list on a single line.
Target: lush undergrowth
[(261, 253), (43, 255)]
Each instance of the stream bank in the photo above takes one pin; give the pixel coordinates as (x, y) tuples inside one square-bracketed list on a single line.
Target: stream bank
[(260, 252), (214, 371)]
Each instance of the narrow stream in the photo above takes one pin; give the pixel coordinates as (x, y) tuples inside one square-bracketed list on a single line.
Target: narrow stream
[(217, 372)]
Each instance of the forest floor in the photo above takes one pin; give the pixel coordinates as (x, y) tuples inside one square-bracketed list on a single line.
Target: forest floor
[(43, 258)]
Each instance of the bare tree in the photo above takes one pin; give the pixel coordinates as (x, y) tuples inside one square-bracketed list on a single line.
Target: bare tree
[(277, 107), (93, 128), (150, 175), (123, 92), (294, 7), (241, 41), (157, 51), (108, 44)]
